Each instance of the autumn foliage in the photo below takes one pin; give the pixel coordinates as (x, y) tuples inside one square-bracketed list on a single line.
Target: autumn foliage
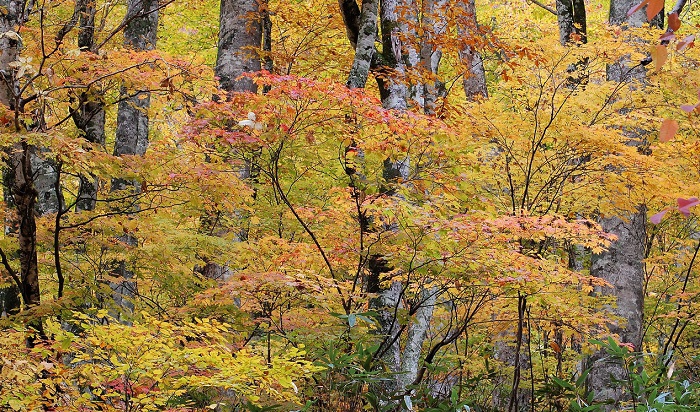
[(486, 232)]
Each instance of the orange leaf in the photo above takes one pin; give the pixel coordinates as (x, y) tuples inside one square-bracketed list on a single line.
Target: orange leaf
[(660, 56), (668, 130), (674, 23), (555, 346), (654, 7)]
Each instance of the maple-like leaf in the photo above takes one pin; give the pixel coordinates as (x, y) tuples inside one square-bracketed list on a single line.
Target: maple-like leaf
[(668, 130)]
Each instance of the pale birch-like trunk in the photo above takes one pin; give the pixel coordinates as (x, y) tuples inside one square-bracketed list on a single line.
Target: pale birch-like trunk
[(435, 25), (364, 51)]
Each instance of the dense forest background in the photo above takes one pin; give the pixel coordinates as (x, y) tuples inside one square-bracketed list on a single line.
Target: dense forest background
[(321, 205)]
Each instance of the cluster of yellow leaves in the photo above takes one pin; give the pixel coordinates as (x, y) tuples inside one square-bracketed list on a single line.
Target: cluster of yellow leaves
[(145, 365)]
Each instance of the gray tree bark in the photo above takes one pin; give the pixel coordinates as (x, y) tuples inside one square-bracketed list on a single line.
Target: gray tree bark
[(474, 82), (621, 265), (364, 50), (244, 30), (89, 116), (19, 173), (571, 17), (240, 37), (430, 55), (140, 33)]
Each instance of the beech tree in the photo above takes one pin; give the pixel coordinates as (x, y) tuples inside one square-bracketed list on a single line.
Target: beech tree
[(622, 264)]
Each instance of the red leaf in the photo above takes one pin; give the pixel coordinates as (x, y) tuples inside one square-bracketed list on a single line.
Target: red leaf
[(654, 7), (637, 7), (656, 219), (668, 130), (688, 41), (684, 205), (674, 23)]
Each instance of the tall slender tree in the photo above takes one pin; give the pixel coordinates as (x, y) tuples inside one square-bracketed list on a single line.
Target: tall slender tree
[(242, 24), (20, 174), (89, 116), (397, 22), (622, 264), (140, 33), (474, 82)]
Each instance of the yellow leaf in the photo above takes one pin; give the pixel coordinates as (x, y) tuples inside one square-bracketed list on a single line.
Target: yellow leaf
[(660, 56)]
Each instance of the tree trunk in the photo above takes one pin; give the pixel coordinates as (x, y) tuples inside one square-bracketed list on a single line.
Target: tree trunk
[(571, 16), (474, 82), (89, 117), (20, 176), (434, 25), (364, 51), (240, 37), (244, 30), (140, 34), (621, 265)]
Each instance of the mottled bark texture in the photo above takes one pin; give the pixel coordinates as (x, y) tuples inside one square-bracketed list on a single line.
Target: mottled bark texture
[(19, 174), (474, 82), (413, 348), (434, 25), (89, 116), (392, 86), (244, 30), (140, 33), (364, 50), (571, 16), (240, 37), (621, 265)]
